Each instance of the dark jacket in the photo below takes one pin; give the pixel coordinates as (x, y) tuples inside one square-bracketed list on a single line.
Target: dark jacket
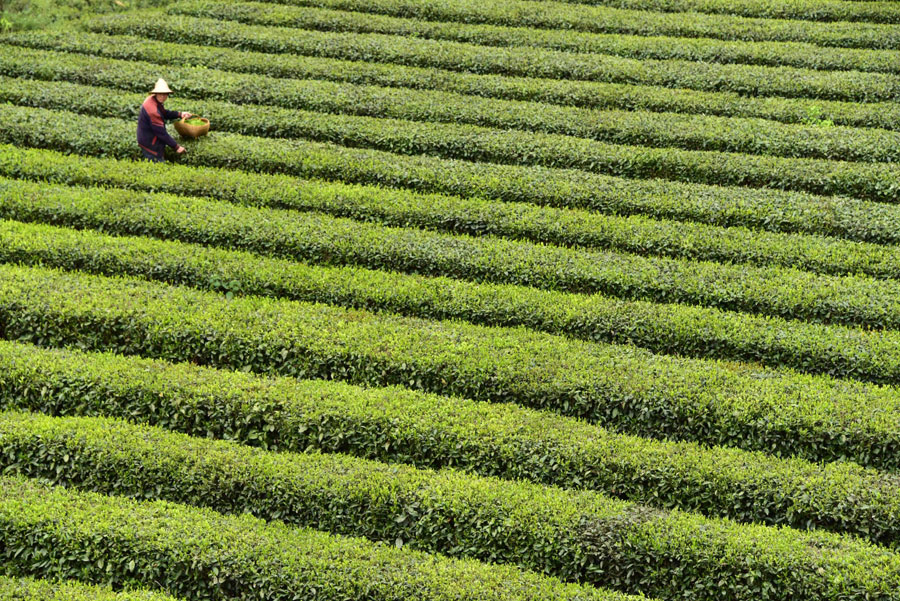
[(151, 130)]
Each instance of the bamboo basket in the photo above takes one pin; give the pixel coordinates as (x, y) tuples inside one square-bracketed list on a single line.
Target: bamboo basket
[(192, 131)]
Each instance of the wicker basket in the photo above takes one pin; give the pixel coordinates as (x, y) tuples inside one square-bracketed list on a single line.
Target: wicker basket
[(192, 131)]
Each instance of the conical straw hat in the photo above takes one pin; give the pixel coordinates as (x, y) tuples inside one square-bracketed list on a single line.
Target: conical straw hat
[(161, 87)]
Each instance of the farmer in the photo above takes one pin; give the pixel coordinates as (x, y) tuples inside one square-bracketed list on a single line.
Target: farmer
[(152, 136)]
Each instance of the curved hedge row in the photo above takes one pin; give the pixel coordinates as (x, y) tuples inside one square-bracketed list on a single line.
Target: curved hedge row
[(553, 187), (774, 54), (518, 221), (567, 93), (397, 425), (692, 132), (28, 589), (767, 210), (740, 405), (200, 554), (580, 537), (685, 331), (612, 19), (328, 240), (528, 62), (813, 10), (871, 181)]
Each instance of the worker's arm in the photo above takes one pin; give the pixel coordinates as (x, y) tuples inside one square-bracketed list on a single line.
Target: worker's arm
[(159, 130), (170, 115), (177, 114)]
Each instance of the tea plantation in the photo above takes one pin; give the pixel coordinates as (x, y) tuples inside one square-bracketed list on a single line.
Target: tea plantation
[(457, 300)]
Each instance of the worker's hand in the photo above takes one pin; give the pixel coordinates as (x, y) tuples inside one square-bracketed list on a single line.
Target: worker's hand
[(180, 150), (186, 115)]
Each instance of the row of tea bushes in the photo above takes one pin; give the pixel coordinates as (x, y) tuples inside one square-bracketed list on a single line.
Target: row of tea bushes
[(750, 80), (482, 148), (775, 54), (575, 536), (812, 10), (677, 329), (564, 188), (204, 86), (741, 405), (200, 554), (29, 589), (428, 431), (619, 17), (324, 239), (707, 234), (519, 221), (566, 93)]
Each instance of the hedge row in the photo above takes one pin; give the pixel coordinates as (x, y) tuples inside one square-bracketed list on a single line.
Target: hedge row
[(324, 239), (397, 425), (200, 554), (553, 187), (870, 181), (773, 54), (568, 93), (617, 18), (523, 62), (580, 537), (692, 132), (519, 221), (738, 207), (28, 589), (813, 10), (685, 331), (741, 405)]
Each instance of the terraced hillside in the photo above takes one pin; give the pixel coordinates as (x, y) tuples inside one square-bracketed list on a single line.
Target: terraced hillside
[(458, 300)]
